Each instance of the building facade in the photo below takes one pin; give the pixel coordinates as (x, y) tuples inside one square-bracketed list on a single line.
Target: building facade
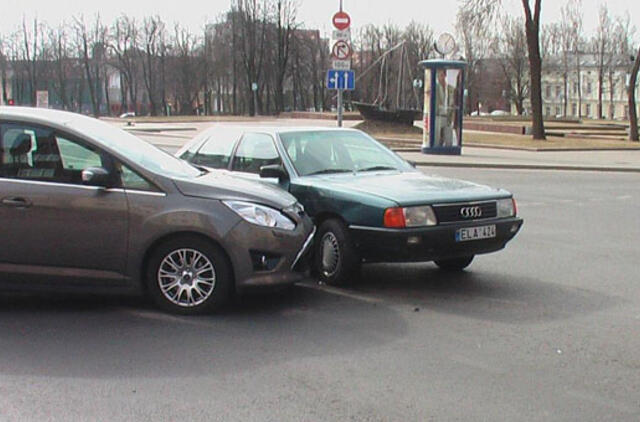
[(574, 94)]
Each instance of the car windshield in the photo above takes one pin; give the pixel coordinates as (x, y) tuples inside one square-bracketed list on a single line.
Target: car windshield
[(137, 150), (326, 152)]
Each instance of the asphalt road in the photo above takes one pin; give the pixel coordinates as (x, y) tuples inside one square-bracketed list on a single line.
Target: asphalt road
[(545, 330)]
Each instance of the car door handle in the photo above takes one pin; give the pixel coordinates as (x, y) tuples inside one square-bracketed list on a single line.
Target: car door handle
[(16, 202)]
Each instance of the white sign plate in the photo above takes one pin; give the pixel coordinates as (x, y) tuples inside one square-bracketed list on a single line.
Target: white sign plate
[(341, 35), (341, 64)]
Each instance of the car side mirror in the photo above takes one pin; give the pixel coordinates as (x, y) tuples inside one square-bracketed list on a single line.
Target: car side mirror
[(274, 171), (95, 176), (412, 163)]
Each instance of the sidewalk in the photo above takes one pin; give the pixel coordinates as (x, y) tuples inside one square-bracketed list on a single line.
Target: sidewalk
[(617, 161)]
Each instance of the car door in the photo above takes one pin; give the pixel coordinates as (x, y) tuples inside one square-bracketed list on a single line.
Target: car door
[(254, 151), (52, 226)]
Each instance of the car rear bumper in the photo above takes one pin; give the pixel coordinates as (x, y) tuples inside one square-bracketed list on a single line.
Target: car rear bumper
[(263, 257), (429, 243)]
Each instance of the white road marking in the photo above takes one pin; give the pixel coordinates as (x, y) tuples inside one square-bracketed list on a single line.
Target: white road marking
[(166, 318), (340, 292)]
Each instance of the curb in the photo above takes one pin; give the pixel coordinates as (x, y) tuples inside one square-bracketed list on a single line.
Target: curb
[(511, 148), (530, 167)]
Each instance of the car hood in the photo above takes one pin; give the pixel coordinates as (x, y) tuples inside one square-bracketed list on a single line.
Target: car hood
[(218, 185), (407, 188)]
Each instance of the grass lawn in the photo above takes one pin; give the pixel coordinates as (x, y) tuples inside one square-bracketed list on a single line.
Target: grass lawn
[(406, 136)]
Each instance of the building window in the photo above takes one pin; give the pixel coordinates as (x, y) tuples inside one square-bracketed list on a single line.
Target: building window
[(626, 112), (588, 109), (612, 111), (548, 91), (548, 111), (558, 111), (574, 109), (589, 88), (558, 91), (575, 88)]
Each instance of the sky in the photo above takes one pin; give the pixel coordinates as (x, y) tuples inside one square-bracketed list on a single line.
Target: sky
[(439, 14)]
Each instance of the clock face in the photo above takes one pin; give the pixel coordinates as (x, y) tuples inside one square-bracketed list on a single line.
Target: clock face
[(446, 44)]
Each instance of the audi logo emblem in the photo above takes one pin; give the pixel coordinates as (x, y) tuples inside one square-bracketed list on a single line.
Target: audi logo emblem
[(471, 212)]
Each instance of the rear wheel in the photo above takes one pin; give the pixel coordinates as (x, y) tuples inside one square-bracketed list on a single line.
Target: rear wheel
[(455, 264), (189, 275), (336, 260)]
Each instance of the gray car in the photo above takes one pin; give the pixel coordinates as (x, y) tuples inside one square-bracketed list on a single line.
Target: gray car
[(87, 206)]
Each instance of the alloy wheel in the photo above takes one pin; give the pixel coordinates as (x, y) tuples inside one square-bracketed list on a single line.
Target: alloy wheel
[(186, 277)]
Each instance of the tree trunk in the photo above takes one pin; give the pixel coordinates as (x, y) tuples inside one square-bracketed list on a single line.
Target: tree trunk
[(633, 112), (600, 92), (535, 63)]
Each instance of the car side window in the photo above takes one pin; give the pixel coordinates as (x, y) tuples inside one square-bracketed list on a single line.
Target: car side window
[(133, 181), (255, 150), (37, 153), (216, 151)]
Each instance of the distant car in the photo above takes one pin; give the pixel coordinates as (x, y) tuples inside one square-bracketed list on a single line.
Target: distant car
[(368, 203), (86, 206), (127, 115), (500, 113)]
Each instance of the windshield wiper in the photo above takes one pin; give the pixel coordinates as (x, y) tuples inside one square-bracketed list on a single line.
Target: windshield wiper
[(329, 171), (378, 168), (204, 170)]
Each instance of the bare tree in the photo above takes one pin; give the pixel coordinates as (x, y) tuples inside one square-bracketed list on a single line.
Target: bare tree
[(3, 68), (60, 48), (153, 37), (187, 69), (419, 40), (603, 50), (512, 51), (633, 111), (477, 43), (124, 44), (91, 43), (31, 42), (573, 16), (482, 10), (252, 24), (285, 18)]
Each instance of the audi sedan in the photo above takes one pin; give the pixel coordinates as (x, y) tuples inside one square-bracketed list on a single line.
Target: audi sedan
[(87, 206), (369, 204)]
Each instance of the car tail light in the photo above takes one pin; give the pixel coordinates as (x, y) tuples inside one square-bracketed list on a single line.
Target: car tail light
[(394, 218), (515, 207)]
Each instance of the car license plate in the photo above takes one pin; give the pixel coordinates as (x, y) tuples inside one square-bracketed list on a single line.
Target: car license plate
[(475, 233)]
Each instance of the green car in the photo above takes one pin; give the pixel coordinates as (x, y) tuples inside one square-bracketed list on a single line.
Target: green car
[(369, 204)]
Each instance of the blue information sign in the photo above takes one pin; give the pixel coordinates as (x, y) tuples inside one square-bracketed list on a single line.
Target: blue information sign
[(341, 79)]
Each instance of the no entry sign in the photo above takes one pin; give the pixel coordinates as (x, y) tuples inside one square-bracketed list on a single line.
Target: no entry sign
[(341, 21)]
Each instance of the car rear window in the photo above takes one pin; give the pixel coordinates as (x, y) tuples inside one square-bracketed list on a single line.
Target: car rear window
[(216, 150)]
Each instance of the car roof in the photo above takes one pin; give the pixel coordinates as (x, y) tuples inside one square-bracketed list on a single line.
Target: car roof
[(275, 129), (43, 115)]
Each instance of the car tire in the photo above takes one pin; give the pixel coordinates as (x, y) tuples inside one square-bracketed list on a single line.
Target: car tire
[(455, 264), (335, 260), (189, 275)]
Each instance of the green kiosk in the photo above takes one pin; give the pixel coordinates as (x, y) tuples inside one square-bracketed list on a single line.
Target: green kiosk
[(443, 106)]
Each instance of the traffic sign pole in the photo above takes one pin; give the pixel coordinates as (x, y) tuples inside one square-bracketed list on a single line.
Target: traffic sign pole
[(337, 78), (340, 107)]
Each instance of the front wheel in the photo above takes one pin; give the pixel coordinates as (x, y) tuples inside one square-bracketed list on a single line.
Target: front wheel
[(189, 275), (336, 260), (454, 264)]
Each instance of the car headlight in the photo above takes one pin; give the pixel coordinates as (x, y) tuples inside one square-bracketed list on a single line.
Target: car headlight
[(506, 208), (410, 217), (261, 215)]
